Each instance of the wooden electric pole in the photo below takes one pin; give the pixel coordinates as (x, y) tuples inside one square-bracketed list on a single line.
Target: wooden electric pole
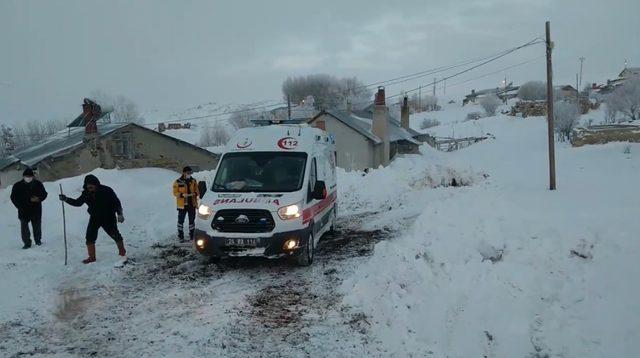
[(552, 154), (581, 63)]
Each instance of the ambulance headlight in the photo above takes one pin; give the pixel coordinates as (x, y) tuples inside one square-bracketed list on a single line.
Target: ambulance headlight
[(204, 212), (289, 212)]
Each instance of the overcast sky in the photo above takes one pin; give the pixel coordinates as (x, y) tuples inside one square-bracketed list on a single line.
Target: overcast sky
[(175, 54)]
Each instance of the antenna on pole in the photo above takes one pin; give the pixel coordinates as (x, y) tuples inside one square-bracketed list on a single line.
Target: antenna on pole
[(581, 63)]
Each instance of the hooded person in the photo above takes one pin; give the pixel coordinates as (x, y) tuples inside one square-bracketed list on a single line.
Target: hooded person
[(187, 194), (105, 211), (27, 196)]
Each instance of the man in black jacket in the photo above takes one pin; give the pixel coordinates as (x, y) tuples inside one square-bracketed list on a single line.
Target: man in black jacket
[(104, 210), (27, 195)]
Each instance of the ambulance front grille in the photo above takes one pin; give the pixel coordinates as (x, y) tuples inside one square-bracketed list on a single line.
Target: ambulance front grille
[(243, 220)]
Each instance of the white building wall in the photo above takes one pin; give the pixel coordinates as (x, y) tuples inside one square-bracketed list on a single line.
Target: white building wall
[(353, 150)]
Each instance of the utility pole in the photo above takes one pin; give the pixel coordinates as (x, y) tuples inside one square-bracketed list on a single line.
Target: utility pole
[(552, 154), (288, 107), (581, 63), (434, 86), (444, 87), (420, 99)]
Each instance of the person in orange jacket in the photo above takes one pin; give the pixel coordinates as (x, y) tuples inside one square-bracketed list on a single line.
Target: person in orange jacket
[(185, 189)]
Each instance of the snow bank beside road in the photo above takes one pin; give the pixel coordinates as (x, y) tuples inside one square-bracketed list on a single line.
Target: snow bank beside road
[(399, 189), (507, 268)]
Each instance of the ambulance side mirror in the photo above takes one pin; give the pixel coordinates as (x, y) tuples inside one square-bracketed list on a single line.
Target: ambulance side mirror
[(319, 191), (202, 188)]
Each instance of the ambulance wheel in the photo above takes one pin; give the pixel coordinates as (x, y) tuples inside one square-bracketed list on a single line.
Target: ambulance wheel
[(305, 257)]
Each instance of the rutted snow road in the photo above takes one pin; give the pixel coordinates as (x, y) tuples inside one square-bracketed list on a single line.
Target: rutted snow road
[(173, 302)]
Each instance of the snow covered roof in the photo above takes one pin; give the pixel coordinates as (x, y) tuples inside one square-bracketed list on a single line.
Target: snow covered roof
[(362, 125), (367, 112), (60, 143), (354, 123)]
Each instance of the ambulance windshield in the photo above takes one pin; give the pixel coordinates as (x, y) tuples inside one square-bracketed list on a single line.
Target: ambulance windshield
[(260, 172)]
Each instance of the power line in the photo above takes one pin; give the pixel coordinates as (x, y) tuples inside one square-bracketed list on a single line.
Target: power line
[(439, 69), (219, 114), (530, 43), (495, 72)]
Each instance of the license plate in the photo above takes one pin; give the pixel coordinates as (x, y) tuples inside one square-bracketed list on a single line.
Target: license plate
[(241, 242)]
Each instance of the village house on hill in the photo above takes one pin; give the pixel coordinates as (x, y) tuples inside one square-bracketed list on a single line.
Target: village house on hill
[(370, 137), (89, 143)]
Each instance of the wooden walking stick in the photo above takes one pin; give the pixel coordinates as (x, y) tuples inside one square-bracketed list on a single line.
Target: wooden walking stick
[(64, 228)]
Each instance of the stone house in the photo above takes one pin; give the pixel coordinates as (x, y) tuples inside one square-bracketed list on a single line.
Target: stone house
[(370, 137), (81, 149)]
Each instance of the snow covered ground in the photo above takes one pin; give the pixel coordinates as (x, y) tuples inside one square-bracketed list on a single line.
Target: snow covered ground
[(505, 267), (441, 254)]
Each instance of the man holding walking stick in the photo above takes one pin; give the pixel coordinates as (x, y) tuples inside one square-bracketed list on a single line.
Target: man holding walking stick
[(105, 211)]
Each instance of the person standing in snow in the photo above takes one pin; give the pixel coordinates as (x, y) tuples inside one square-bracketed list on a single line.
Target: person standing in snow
[(186, 191), (27, 195), (105, 211)]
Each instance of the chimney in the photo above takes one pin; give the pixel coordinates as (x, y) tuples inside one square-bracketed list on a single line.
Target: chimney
[(404, 113), (90, 113), (349, 107), (380, 124)]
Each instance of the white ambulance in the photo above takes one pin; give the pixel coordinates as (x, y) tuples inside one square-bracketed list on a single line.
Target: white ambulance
[(274, 195)]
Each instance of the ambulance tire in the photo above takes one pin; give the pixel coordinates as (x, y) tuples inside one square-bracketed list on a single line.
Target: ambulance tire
[(305, 256)]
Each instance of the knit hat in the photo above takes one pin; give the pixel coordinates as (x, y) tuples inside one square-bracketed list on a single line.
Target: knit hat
[(187, 169), (27, 172)]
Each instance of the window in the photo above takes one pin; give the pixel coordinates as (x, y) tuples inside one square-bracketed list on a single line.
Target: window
[(260, 172), (122, 146), (313, 175)]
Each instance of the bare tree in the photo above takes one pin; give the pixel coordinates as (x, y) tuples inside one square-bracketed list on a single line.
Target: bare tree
[(533, 91), (490, 104), (214, 135), (473, 116), (242, 118), (7, 140), (328, 91), (626, 99), (429, 123), (123, 110), (566, 116), (430, 102), (610, 114)]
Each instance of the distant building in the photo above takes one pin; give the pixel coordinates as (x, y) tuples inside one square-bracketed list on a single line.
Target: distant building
[(566, 91), (504, 93), (298, 113), (625, 74), (629, 72), (367, 138), (88, 145)]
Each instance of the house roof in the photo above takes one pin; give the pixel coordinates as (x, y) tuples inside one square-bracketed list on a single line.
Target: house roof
[(496, 91), (362, 125), (367, 112), (70, 139), (632, 70), (57, 144)]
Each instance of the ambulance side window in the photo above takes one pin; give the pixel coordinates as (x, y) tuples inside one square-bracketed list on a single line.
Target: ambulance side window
[(313, 175)]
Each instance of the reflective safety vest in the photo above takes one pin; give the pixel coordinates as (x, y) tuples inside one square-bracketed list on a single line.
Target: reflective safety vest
[(182, 188)]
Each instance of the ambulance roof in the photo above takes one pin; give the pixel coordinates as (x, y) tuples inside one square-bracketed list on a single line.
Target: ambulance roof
[(278, 138)]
